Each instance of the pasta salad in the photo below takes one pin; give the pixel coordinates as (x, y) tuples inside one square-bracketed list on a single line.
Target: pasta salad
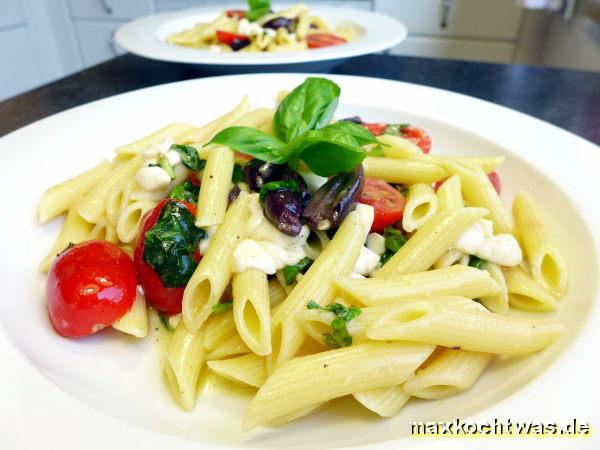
[(259, 29), (305, 257)]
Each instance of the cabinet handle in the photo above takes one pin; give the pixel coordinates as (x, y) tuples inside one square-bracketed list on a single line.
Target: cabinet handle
[(446, 6), (107, 8)]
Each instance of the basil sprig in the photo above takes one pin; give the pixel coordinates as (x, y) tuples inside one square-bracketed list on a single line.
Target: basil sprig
[(302, 133), (186, 191), (476, 262), (340, 336), (222, 307), (394, 240), (189, 157), (171, 243), (291, 272), (258, 8)]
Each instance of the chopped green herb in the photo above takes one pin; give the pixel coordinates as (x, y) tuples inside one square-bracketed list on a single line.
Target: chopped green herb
[(394, 240), (164, 164), (222, 307), (165, 321), (238, 174), (278, 186), (476, 262), (258, 8), (189, 157), (290, 272), (395, 129), (171, 244), (340, 336), (186, 192)]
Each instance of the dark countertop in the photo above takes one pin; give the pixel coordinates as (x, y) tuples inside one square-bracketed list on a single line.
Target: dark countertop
[(566, 98)]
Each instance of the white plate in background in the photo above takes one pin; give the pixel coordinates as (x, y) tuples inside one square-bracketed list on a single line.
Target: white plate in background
[(106, 391), (148, 37)]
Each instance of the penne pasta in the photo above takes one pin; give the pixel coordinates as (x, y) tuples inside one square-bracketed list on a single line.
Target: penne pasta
[(526, 294), (451, 372), (469, 330), (421, 205), (218, 329), (248, 369), (449, 194), (60, 198), (458, 280), (232, 346), (252, 310), (402, 171), (309, 380), (497, 302), (173, 131), (545, 258), (213, 273), (216, 184), (386, 401), (135, 321), (430, 242)]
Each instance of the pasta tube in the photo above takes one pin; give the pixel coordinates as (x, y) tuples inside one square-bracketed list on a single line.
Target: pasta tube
[(524, 293), (252, 310), (248, 369), (308, 380), (216, 184), (386, 401), (135, 321), (497, 302), (449, 194), (421, 205), (402, 171)]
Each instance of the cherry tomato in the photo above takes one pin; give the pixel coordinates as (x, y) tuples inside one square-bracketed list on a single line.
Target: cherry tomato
[(388, 203), (235, 41), (495, 180), (318, 40), (438, 183), (164, 299), (89, 287), (376, 129), (237, 13), (418, 136), (193, 178)]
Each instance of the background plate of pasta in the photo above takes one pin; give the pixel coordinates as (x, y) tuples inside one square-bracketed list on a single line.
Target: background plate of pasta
[(286, 260), (259, 34)]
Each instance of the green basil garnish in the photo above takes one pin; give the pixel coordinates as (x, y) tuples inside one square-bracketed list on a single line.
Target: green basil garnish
[(186, 192), (394, 240), (292, 185), (222, 307), (164, 164), (258, 8), (476, 262), (339, 337), (395, 129), (171, 243), (291, 272), (189, 157)]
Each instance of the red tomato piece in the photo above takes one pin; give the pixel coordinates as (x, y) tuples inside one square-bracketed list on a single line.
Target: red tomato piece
[(235, 41), (418, 136), (237, 13), (193, 178), (89, 287), (165, 299), (438, 183), (388, 203), (243, 156), (318, 40), (495, 180), (376, 129)]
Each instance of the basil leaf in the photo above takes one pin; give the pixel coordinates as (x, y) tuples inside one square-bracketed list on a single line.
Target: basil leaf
[(171, 244), (292, 185), (238, 174), (361, 134), (165, 322), (186, 192), (476, 262), (251, 142), (291, 272), (222, 307), (394, 240), (255, 14), (395, 129), (340, 336), (165, 165), (189, 157), (326, 152), (308, 107)]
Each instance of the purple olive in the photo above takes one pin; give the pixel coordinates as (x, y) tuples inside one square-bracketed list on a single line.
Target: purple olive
[(279, 22), (233, 194), (257, 173), (239, 44), (283, 209), (333, 201), (354, 119), (303, 194)]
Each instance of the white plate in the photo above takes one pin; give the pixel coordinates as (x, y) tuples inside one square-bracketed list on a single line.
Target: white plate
[(106, 391), (148, 37)]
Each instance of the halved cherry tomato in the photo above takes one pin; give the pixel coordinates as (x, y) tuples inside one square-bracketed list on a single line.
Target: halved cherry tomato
[(165, 299), (237, 13), (89, 287), (388, 203), (376, 129), (318, 40), (193, 178), (235, 41), (495, 180), (418, 136)]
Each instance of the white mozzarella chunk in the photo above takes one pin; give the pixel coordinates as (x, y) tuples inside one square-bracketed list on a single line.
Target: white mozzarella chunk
[(152, 178), (376, 243)]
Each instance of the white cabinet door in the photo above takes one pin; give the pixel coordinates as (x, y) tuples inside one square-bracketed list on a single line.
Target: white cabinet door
[(10, 13), (20, 70), (491, 19), (110, 9), (452, 48), (96, 41)]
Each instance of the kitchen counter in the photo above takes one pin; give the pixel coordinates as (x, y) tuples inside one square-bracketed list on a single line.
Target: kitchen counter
[(568, 99)]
